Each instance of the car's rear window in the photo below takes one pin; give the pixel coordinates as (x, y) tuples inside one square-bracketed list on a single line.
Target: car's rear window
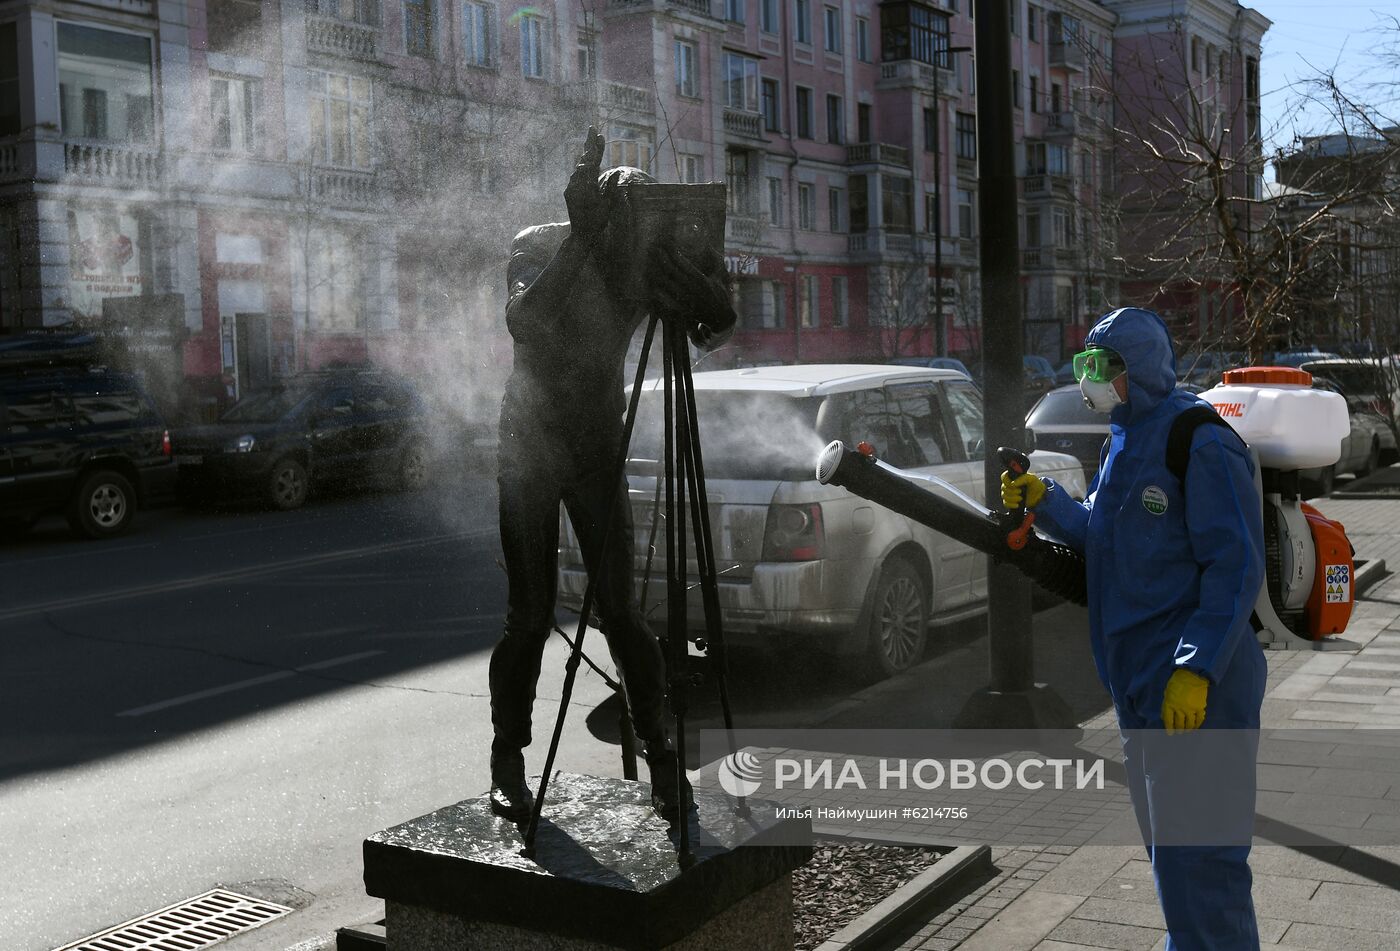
[(1355, 379), (267, 406), (1063, 408), (743, 435)]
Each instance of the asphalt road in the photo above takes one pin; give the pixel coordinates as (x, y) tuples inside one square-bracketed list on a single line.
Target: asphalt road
[(238, 698)]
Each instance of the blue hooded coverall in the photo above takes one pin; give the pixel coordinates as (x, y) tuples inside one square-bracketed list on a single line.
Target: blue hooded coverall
[(1173, 586)]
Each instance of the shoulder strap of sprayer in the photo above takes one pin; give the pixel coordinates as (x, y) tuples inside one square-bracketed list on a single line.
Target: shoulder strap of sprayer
[(1179, 437)]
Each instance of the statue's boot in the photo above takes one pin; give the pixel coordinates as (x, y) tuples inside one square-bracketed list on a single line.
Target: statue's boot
[(510, 796), (667, 795)]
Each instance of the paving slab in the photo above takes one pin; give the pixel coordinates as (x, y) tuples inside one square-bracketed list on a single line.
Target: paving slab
[(1024, 922)]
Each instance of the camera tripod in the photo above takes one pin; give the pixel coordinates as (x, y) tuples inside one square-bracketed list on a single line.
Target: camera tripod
[(685, 503)]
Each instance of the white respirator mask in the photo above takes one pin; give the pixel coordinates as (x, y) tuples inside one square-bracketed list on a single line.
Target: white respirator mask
[(1099, 397)]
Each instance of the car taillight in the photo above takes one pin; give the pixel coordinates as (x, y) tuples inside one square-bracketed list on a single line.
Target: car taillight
[(165, 448), (793, 533), (1381, 405)]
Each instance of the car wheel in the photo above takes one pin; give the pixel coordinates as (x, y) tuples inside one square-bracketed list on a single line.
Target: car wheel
[(1373, 460), (103, 506), (898, 626), (286, 484), (413, 468)]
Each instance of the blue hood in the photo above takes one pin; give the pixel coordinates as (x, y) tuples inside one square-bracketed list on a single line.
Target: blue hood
[(1140, 337)]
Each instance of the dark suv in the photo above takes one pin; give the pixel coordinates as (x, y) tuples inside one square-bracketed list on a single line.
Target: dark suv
[(343, 427), (85, 442)]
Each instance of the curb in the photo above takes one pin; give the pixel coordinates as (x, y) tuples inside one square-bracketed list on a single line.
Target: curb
[(909, 901), (1368, 576)]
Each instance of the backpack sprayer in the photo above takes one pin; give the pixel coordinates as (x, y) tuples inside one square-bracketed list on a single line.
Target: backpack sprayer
[(1308, 590), (1307, 595)]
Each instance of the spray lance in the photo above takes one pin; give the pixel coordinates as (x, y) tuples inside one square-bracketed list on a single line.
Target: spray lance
[(1008, 537)]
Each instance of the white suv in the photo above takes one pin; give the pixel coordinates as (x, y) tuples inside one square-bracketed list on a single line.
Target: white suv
[(804, 563)]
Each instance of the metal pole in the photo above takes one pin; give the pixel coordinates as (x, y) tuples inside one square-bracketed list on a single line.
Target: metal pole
[(940, 342)]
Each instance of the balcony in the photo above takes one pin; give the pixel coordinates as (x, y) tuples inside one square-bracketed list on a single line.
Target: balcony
[(626, 98), (744, 229), (887, 242), (907, 73), (877, 153), (1041, 185), (1049, 259), (697, 7), (340, 38), (1062, 125), (747, 125), (104, 164), (1067, 54), (343, 188)]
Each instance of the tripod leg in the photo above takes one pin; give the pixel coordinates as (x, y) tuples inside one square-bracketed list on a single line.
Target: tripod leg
[(586, 608), (680, 641)]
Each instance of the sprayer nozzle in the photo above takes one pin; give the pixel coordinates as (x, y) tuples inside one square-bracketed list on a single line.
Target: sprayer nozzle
[(829, 460)]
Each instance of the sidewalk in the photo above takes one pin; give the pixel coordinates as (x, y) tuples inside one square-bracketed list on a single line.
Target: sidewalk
[(1059, 898)]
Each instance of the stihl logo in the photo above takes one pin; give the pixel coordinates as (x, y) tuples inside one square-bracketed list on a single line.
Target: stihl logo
[(1229, 409)]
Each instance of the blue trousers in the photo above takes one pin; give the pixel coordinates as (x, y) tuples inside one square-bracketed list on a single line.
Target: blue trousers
[(1194, 796)]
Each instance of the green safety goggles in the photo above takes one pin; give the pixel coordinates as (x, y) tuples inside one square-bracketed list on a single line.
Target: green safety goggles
[(1098, 365)]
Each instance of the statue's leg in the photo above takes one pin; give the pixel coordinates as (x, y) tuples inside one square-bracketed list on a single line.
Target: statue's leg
[(633, 645), (529, 518)]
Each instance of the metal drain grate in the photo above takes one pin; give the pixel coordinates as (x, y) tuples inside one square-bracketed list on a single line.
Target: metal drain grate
[(186, 926)]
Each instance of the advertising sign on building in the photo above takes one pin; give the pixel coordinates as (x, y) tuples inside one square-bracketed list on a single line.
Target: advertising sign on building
[(105, 255)]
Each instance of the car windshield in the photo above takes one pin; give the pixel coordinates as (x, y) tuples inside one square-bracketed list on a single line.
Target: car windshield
[(267, 406), (743, 435), (1354, 378), (1063, 408)]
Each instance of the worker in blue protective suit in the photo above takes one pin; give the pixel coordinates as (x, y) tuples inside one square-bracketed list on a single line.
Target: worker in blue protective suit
[(1172, 578)]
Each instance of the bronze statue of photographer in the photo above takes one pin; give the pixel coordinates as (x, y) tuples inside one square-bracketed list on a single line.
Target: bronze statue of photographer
[(572, 312)]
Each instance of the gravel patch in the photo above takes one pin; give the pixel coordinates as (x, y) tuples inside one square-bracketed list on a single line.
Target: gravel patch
[(845, 879)]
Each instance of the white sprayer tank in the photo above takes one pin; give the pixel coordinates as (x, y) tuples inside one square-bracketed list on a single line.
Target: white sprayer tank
[(1276, 410)]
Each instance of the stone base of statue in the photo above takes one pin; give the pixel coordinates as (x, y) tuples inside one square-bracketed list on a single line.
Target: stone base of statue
[(604, 875)]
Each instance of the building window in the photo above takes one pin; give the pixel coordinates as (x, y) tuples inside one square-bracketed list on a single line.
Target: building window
[(1032, 229), (334, 272), (804, 112), (479, 34), (234, 113), (912, 31), (967, 135), (931, 215), (1015, 17), (1016, 88), (835, 120), (104, 84), (859, 202), (741, 82), (806, 207), (1061, 229), (896, 203), (686, 84), (734, 11), (419, 22), (532, 46), (234, 26), (339, 115), (365, 12), (1033, 23), (833, 209), (9, 80), (774, 305), (803, 16), (741, 189), (770, 105), (629, 146), (688, 168), (930, 130), (840, 301), (1195, 54), (966, 219), (587, 56), (863, 122), (863, 39), (831, 23), (775, 202), (1035, 94), (807, 305), (768, 16)]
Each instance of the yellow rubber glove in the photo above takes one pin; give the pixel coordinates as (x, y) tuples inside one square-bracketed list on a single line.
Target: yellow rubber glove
[(1184, 702), (1028, 486)]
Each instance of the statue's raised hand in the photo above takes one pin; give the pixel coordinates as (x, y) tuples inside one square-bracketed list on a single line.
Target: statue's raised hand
[(588, 206)]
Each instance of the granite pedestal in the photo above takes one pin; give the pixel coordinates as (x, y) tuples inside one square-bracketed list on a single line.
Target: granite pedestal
[(604, 875)]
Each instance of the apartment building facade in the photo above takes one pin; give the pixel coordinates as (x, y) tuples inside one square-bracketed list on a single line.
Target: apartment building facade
[(279, 184)]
